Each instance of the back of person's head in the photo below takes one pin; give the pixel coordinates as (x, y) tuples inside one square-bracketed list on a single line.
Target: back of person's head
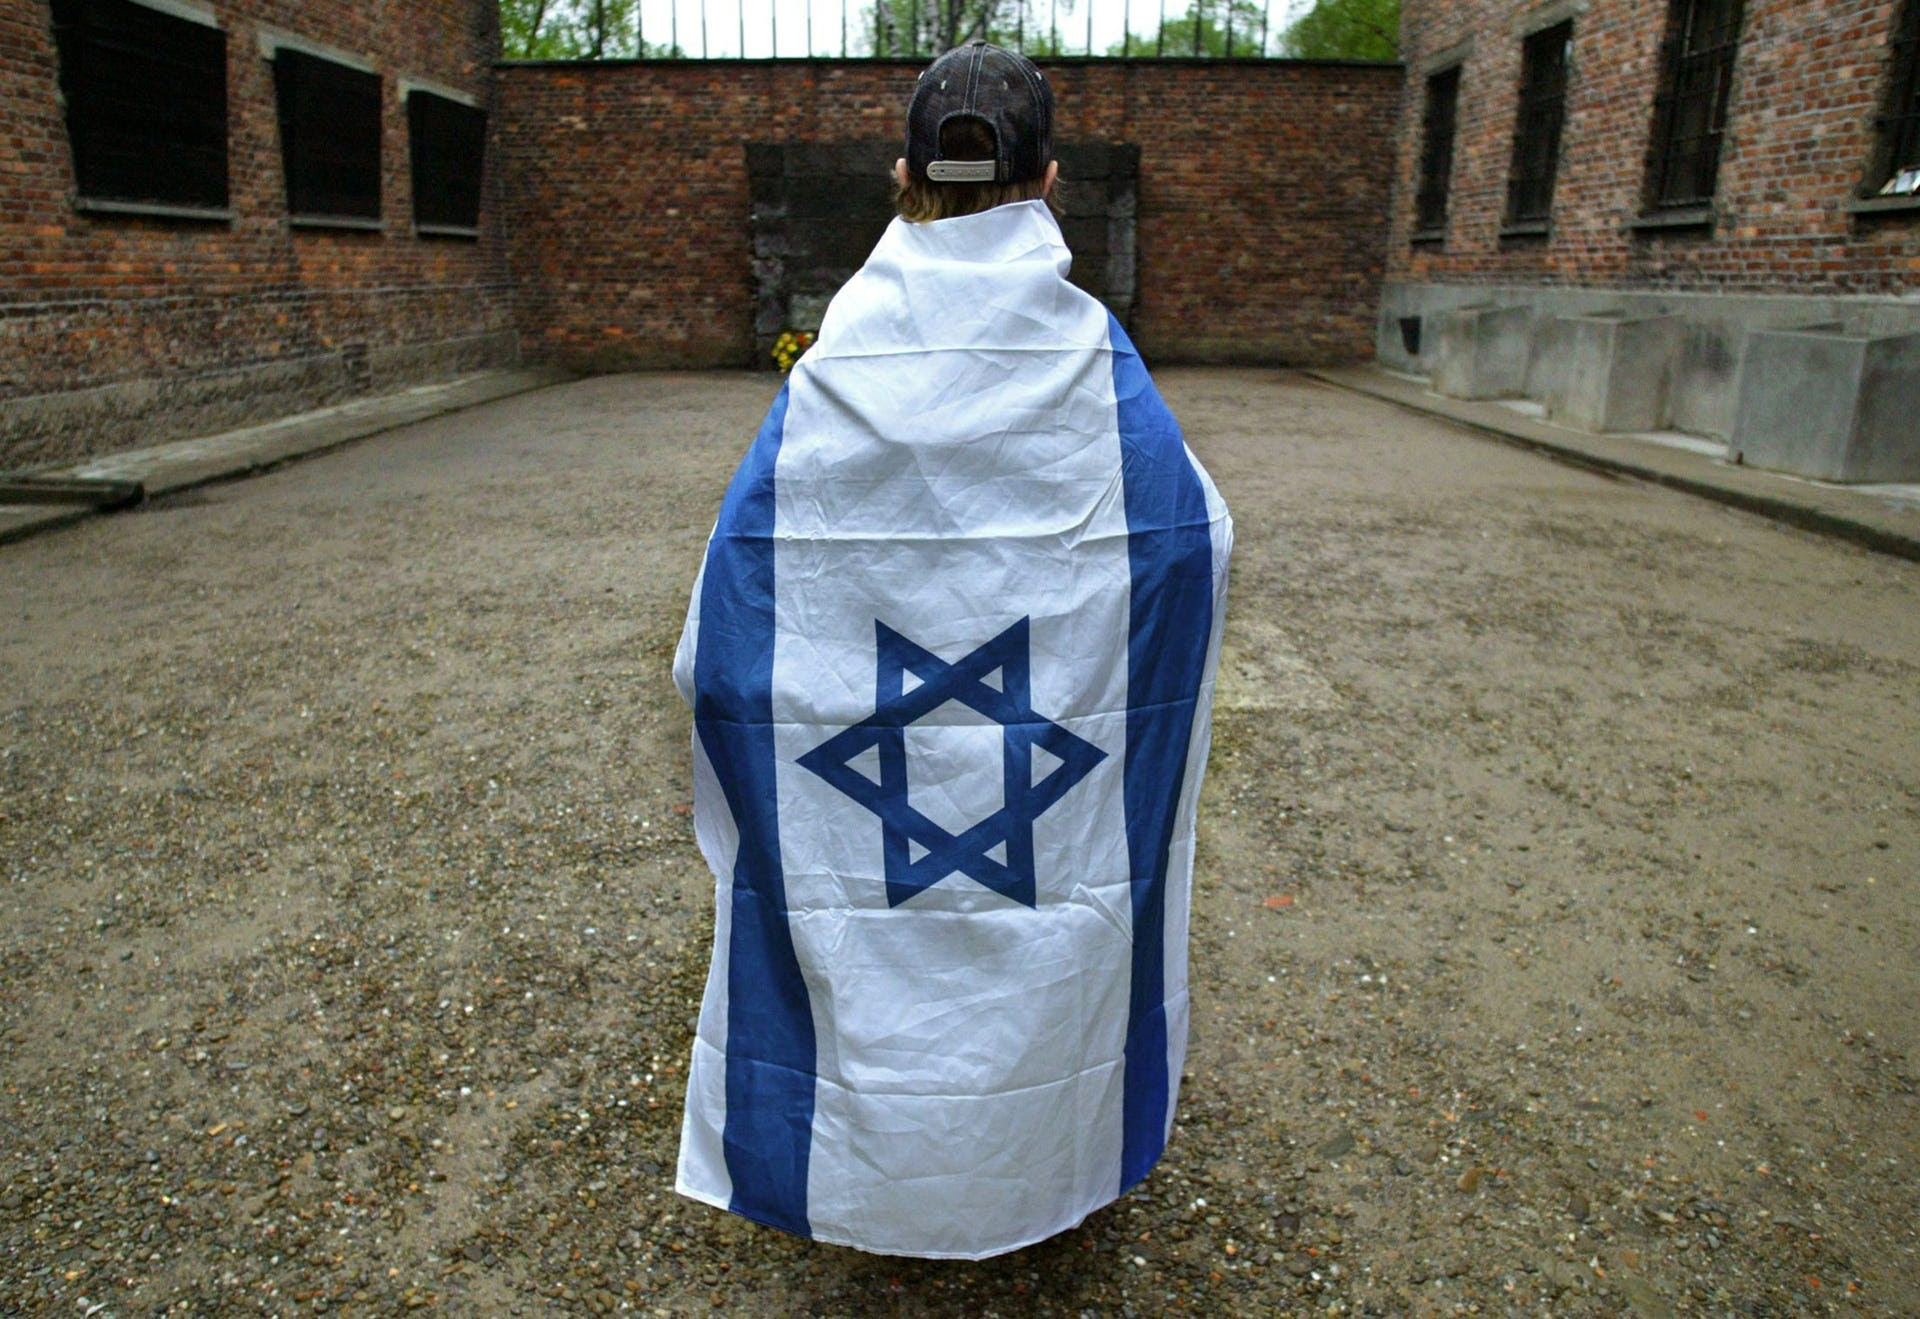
[(979, 135)]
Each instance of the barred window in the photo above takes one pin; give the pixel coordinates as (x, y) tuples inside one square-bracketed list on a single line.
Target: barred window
[(146, 105), (1898, 171), (1690, 114), (1536, 134), (1436, 152), (329, 138), (448, 141)]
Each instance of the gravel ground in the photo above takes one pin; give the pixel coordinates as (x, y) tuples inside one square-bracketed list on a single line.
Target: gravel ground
[(1554, 933)]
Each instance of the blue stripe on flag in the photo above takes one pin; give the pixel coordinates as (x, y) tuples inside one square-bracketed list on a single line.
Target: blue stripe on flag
[(1170, 554), (770, 1043)]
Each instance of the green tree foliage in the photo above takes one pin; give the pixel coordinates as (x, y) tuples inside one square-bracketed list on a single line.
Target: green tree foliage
[(927, 27), (1209, 27), (575, 30), (1346, 29)]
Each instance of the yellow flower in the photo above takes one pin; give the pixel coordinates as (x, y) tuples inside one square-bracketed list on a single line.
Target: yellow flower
[(788, 347)]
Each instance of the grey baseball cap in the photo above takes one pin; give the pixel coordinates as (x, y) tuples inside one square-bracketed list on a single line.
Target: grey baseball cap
[(1003, 90)]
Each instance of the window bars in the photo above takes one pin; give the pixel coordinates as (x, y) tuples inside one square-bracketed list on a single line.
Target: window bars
[(1898, 173), (1436, 153), (1690, 114), (447, 143), (146, 105), (1536, 134), (329, 138)]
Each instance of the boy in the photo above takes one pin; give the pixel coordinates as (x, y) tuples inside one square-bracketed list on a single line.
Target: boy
[(951, 662)]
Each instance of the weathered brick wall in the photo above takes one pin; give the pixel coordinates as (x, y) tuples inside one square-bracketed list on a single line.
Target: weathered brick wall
[(116, 329), (1808, 83), (1261, 221)]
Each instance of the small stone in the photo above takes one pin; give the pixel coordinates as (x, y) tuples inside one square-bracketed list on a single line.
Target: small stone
[(1339, 1145)]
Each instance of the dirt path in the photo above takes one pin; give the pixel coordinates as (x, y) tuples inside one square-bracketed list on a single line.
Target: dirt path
[(1554, 942)]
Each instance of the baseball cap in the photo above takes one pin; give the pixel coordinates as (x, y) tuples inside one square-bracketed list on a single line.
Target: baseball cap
[(1004, 91)]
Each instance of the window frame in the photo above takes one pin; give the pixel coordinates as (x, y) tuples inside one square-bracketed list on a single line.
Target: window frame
[(1699, 61), (1896, 127), (442, 199), (1433, 187), (1540, 117), (146, 98), (318, 157)]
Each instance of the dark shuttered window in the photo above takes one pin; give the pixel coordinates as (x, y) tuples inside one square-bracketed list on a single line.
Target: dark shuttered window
[(1898, 169), (329, 137), (146, 110), (1436, 152), (1536, 134), (448, 142), (1690, 117)]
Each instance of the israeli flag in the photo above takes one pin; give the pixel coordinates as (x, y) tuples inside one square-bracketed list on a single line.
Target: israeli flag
[(951, 660)]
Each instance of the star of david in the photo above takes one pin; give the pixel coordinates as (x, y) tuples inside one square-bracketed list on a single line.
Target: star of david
[(911, 682)]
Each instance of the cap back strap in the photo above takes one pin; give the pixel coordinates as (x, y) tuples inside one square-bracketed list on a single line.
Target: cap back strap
[(963, 171)]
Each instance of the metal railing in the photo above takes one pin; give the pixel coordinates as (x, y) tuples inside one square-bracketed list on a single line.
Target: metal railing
[(852, 29)]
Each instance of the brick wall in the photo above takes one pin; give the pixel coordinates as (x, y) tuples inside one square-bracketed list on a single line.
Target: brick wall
[(118, 329), (1808, 84), (1260, 227)]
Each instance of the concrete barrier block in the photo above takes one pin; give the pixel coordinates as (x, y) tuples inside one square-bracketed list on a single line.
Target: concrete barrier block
[(1482, 351), (1613, 371), (1822, 403)]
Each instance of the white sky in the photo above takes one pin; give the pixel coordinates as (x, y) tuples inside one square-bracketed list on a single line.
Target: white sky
[(725, 20)]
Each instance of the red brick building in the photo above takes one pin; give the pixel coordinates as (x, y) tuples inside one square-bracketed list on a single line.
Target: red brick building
[(214, 211), (1609, 205), (220, 210), (268, 251), (1259, 225)]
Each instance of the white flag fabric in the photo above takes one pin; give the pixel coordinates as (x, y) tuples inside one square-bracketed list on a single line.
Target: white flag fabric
[(951, 660)]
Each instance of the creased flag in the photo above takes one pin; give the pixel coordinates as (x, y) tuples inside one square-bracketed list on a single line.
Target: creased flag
[(951, 660)]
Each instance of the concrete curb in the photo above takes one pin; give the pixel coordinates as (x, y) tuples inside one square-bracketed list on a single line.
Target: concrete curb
[(1836, 511), (182, 464)]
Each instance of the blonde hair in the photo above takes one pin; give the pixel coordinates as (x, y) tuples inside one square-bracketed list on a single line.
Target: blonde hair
[(966, 139)]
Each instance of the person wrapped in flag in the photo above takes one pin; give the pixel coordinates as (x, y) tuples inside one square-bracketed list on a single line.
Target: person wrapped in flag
[(951, 657)]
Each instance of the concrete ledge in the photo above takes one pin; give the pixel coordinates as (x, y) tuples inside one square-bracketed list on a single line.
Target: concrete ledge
[(1482, 351), (71, 426), (182, 464), (1821, 403), (1703, 370), (1609, 372), (1847, 514)]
